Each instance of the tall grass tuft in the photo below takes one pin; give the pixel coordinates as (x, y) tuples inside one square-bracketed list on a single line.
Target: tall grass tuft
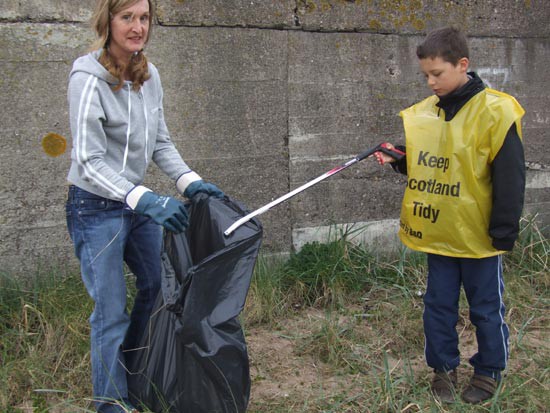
[(44, 330), (266, 301), (530, 258), (332, 341), (328, 274)]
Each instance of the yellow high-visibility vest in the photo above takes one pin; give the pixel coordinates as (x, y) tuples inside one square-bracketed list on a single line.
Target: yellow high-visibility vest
[(447, 203)]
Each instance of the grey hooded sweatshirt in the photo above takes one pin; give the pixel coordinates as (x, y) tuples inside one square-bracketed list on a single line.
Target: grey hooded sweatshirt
[(116, 135)]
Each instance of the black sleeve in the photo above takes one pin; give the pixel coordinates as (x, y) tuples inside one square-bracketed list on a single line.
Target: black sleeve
[(508, 176), (400, 165)]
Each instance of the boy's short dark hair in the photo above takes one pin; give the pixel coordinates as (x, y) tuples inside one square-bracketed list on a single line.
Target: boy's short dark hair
[(448, 43)]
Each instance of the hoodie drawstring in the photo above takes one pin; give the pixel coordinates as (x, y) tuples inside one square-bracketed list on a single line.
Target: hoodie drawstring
[(130, 125), (128, 129), (146, 125)]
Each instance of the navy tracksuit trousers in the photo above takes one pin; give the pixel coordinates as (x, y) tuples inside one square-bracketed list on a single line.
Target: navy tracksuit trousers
[(484, 286)]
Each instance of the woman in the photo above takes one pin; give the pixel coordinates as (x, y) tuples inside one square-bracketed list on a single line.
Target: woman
[(118, 128)]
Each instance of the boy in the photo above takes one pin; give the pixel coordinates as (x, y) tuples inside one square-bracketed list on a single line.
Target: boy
[(462, 205)]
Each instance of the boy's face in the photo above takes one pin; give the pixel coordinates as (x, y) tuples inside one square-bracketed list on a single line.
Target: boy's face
[(444, 77)]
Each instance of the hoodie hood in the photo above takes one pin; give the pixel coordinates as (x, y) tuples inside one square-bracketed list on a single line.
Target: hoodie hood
[(89, 64)]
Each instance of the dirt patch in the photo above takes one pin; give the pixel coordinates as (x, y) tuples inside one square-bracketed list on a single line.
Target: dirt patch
[(278, 370)]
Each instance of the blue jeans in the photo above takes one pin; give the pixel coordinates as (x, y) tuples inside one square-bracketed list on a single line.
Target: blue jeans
[(106, 234), (484, 287)]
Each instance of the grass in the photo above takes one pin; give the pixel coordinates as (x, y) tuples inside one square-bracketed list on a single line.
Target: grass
[(333, 328), (44, 332)]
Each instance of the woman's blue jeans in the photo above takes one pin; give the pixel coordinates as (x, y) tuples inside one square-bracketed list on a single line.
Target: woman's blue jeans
[(106, 234)]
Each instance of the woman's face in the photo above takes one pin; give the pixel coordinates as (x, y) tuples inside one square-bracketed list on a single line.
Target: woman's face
[(129, 30)]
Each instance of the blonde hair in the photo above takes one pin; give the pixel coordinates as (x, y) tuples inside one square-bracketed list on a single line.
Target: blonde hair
[(101, 23)]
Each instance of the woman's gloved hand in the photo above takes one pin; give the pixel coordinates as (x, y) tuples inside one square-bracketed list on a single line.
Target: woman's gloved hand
[(164, 210), (205, 187)]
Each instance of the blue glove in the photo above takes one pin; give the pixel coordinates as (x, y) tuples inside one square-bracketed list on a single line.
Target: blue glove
[(164, 210), (205, 187)]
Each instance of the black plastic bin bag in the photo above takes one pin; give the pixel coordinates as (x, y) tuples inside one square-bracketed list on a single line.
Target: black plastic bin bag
[(193, 357)]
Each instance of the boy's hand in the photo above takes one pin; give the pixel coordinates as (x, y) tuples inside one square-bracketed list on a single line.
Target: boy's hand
[(383, 158)]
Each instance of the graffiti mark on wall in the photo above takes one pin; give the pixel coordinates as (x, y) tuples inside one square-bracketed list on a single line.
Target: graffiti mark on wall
[(494, 77), (541, 118)]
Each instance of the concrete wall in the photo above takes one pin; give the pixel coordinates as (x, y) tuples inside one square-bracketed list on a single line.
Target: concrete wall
[(260, 97)]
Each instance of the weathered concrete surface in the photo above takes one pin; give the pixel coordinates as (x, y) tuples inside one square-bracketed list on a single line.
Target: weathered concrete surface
[(494, 18), (537, 200), (46, 10), (501, 18), (261, 97), (228, 117), (34, 60), (378, 236), (236, 13)]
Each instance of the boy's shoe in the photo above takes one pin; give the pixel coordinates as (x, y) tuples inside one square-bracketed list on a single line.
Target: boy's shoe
[(480, 389), (444, 386)]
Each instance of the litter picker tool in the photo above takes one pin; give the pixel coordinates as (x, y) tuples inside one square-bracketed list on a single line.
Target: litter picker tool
[(383, 147)]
